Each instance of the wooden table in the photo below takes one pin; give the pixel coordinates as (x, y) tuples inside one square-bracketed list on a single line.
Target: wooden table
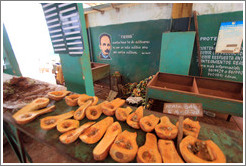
[(230, 142)]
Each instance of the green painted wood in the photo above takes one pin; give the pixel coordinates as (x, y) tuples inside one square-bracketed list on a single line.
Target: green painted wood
[(77, 69), (230, 142), (8, 68), (72, 72), (221, 66), (176, 52), (208, 103), (133, 67), (85, 59), (9, 56)]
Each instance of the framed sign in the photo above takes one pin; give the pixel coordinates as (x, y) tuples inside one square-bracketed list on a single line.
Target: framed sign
[(230, 37)]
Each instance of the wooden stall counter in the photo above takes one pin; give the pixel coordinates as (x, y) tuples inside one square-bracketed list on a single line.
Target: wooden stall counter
[(230, 142), (215, 95)]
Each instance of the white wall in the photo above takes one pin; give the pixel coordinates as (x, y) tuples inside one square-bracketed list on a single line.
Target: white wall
[(212, 8), (136, 13), (154, 11)]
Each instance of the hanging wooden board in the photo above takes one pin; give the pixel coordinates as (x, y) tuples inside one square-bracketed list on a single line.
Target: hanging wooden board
[(176, 52)]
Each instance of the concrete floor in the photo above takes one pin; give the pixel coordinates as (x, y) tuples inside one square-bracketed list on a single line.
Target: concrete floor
[(44, 154)]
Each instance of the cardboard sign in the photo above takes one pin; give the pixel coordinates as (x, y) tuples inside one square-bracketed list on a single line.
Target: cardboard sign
[(183, 109)]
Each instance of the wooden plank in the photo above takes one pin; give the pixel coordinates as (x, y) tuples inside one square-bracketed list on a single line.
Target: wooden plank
[(194, 87), (181, 10), (180, 132), (234, 107), (198, 43)]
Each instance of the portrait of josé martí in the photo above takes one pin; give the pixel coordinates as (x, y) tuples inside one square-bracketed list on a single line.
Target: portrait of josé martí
[(105, 46)]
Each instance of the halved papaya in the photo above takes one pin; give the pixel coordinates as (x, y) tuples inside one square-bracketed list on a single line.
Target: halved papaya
[(58, 95), (72, 100), (67, 125), (79, 114), (165, 129), (133, 119), (72, 135), (34, 105), (148, 153), (124, 148), (110, 107), (190, 127), (121, 114), (27, 117), (95, 132), (194, 150), (84, 98), (148, 123), (95, 111), (100, 152), (168, 152), (50, 122)]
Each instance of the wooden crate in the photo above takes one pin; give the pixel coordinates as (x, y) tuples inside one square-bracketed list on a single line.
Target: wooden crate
[(215, 95), (99, 70)]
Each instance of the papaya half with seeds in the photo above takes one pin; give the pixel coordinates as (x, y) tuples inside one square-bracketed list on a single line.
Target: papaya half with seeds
[(95, 132), (34, 105), (84, 98), (168, 152), (133, 119), (165, 129), (190, 127), (67, 125), (148, 123), (72, 135), (110, 107), (27, 117), (124, 148), (58, 95), (95, 111), (148, 153), (50, 122), (79, 114), (121, 114), (100, 152), (72, 100), (194, 150)]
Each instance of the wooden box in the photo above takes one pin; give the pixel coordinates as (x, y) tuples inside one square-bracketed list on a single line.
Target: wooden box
[(99, 70), (215, 95)]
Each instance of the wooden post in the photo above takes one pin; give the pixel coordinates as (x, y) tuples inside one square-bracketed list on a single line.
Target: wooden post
[(180, 131), (198, 42)]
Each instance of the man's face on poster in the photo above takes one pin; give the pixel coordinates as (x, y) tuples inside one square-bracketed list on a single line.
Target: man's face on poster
[(105, 45)]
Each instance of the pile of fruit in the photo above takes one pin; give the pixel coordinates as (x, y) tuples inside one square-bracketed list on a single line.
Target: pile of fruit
[(137, 89), (121, 145)]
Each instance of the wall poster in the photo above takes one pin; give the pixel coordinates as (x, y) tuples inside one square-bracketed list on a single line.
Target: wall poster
[(230, 37)]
